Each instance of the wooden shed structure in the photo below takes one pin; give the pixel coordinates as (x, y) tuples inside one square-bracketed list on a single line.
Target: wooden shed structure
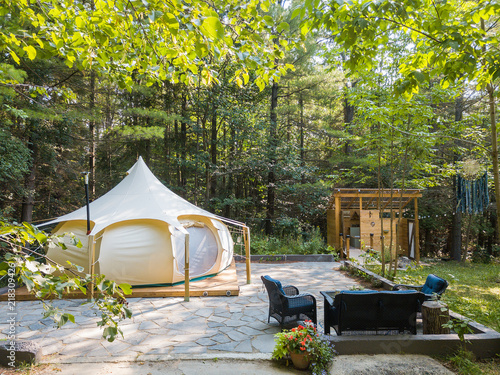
[(363, 216)]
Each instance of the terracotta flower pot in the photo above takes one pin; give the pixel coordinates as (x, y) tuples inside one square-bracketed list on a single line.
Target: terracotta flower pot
[(300, 361)]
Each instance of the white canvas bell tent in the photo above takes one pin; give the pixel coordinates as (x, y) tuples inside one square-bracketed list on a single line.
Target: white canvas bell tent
[(138, 234)]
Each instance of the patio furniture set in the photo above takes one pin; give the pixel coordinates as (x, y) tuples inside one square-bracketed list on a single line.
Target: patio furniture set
[(359, 310)]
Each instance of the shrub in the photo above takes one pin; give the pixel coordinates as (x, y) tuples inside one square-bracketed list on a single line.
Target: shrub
[(480, 255), (272, 245)]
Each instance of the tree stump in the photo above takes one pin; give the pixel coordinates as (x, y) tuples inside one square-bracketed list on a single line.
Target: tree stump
[(433, 318)]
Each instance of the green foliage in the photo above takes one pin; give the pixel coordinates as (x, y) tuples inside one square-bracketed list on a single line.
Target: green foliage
[(459, 326), (463, 362), (363, 275), (305, 339), (23, 260), (334, 252), (312, 244), (14, 164), (481, 255), (447, 41), (370, 256), (154, 40)]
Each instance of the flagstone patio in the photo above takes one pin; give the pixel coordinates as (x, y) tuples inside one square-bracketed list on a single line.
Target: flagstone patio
[(165, 328)]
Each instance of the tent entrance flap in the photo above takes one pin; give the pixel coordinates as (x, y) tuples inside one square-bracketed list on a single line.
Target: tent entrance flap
[(203, 250)]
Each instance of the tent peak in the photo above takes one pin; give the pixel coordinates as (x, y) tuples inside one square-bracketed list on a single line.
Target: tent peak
[(140, 161)]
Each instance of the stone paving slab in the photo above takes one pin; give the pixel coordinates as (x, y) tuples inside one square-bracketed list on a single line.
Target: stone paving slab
[(387, 365), (172, 327), (174, 367), (343, 365)]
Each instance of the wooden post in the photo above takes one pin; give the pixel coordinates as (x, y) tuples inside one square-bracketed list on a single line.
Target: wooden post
[(417, 245), (345, 239), (337, 223), (186, 266), (360, 211), (433, 318), (91, 249), (246, 239), (347, 246)]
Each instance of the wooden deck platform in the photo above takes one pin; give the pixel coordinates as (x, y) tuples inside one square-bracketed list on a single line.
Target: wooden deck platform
[(224, 284)]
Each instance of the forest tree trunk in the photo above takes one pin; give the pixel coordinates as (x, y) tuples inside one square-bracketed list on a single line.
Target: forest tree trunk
[(456, 226), (213, 154), (184, 114), (302, 152), (92, 134), (490, 89), (349, 110), (494, 151), (271, 178), (29, 183)]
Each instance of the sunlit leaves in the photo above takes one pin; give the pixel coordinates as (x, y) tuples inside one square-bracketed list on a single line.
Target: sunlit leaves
[(153, 40), (447, 38), (212, 28), (30, 51)]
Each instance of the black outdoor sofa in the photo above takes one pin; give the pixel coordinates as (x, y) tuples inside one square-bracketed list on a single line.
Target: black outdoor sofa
[(368, 310)]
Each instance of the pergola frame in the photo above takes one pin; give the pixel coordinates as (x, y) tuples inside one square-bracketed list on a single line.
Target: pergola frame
[(373, 199)]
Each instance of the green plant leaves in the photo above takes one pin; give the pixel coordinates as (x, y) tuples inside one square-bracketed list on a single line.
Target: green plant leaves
[(155, 40), (37, 275), (31, 51), (212, 27)]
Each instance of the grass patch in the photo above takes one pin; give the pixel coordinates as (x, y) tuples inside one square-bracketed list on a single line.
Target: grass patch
[(464, 363)]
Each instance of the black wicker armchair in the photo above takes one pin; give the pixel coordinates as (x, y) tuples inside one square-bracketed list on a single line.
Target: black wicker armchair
[(286, 305), (434, 287)]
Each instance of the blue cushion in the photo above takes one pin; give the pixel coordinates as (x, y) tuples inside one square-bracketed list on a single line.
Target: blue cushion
[(366, 291), (433, 284), (300, 303), (278, 284), (400, 291)]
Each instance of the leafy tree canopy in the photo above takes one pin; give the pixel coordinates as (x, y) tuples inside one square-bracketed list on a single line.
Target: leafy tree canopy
[(454, 40), (155, 40)]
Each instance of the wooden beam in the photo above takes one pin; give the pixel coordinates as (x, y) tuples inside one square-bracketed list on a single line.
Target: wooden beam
[(372, 190), (186, 267), (91, 250), (383, 195), (351, 202), (246, 238), (337, 220), (369, 202), (406, 203), (417, 247), (388, 202)]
